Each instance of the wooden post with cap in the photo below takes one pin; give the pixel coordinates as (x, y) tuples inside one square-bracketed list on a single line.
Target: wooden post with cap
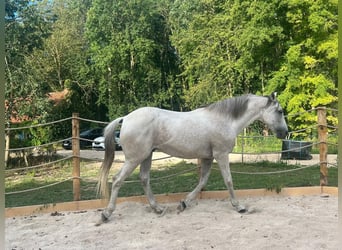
[(76, 173), (323, 146)]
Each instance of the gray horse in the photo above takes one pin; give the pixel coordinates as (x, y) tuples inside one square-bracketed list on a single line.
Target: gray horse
[(205, 133)]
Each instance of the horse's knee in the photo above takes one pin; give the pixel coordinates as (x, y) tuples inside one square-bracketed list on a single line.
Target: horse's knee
[(117, 182), (144, 180), (114, 178)]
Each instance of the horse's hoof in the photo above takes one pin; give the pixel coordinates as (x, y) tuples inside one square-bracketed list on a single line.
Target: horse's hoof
[(102, 220), (99, 223), (163, 212), (159, 210), (103, 217), (181, 207), (241, 209)]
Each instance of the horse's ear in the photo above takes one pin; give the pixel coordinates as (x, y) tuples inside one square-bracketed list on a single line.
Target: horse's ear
[(273, 96)]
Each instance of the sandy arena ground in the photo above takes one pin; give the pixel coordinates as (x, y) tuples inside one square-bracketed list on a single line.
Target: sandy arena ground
[(273, 222)]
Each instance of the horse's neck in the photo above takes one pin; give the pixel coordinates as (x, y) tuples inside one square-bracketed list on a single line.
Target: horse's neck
[(253, 112)]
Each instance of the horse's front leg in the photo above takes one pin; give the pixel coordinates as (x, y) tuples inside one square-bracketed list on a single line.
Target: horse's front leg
[(223, 161), (205, 172)]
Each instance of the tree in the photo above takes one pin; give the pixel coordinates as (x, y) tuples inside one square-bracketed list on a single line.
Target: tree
[(116, 56), (47, 52), (25, 30), (226, 48), (62, 54), (131, 54), (62, 64), (307, 77)]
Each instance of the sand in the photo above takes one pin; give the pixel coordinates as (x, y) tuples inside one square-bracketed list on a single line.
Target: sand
[(273, 222)]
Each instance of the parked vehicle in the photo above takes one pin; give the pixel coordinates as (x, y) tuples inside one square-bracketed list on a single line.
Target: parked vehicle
[(98, 143), (88, 135)]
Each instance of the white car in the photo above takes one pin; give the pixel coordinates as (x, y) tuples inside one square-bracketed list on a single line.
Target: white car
[(98, 143)]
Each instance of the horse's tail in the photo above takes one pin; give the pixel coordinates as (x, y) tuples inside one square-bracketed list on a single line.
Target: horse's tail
[(108, 157)]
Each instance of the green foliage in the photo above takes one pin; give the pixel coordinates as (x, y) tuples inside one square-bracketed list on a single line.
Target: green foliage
[(257, 144), (30, 137), (62, 54), (25, 28), (227, 48), (40, 135), (116, 56), (131, 54), (307, 77)]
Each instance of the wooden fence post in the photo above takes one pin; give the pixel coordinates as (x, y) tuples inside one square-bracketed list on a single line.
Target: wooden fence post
[(323, 146), (76, 173)]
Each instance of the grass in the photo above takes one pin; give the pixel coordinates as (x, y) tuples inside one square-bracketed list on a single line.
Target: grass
[(259, 144), (181, 177)]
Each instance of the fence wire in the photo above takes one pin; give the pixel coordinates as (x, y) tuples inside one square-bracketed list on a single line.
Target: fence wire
[(162, 158), (39, 125), (39, 165), (38, 188)]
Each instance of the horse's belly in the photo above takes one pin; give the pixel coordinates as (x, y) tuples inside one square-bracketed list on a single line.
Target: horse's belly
[(185, 152)]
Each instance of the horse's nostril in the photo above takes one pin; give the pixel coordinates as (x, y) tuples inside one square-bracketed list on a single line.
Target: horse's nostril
[(281, 134)]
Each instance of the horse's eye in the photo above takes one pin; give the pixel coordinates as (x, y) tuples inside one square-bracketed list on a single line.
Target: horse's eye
[(280, 111)]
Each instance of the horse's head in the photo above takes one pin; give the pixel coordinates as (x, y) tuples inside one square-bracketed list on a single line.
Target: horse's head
[(273, 116)]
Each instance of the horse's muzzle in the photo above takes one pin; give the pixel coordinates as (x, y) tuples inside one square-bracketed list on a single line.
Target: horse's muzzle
[(281, 134)]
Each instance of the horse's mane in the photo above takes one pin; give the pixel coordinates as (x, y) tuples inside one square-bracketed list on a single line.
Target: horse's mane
[(234, 107)]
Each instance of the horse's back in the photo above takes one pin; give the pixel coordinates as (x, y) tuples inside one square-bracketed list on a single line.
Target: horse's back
[(182, 134), (148, 115), (142, 126)]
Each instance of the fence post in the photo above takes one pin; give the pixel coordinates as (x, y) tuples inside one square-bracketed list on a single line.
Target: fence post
[(76, 156), (323, 146)]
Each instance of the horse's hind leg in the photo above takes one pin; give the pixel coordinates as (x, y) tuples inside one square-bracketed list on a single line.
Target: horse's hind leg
[(205, 172), (145, 168), (118, 180)]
